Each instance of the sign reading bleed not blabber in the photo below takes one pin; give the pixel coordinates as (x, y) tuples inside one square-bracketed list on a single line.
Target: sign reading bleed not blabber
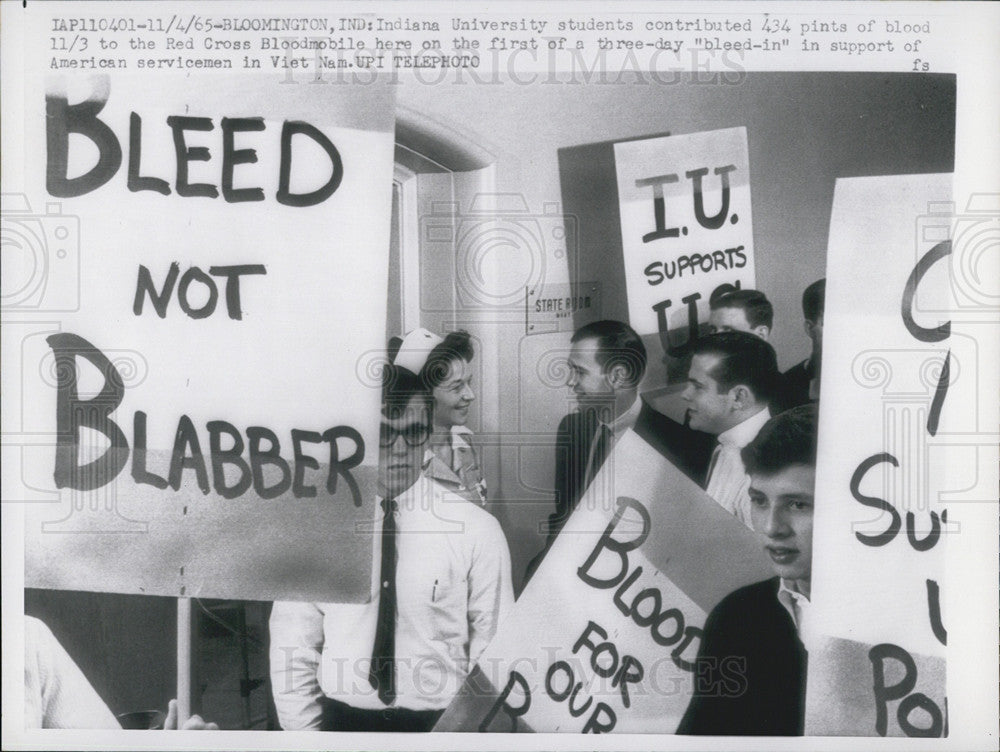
[(208, 430)]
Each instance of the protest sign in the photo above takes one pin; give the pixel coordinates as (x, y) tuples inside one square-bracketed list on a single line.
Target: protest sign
[(687, 228), (877, 632), (616, 608), (198, 401)]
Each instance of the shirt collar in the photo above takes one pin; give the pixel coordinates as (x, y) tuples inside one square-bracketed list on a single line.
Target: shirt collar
[(794, 602), (743, 433), (626, 420), (417, 496)]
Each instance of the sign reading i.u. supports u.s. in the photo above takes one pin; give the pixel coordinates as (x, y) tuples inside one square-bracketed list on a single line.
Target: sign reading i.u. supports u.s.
[(687, 228)]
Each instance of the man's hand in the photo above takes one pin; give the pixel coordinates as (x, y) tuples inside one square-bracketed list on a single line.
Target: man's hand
[(194, 723)]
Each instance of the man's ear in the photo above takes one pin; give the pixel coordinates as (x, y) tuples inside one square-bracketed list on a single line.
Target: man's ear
[(742, 397), (763, 331), (807, 327), (618, 376)]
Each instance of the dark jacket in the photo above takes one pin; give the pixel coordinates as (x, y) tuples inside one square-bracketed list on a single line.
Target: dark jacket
[(750, 674)]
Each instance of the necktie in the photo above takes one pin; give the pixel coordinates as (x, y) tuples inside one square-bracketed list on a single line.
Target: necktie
[(601, 447), (712, 463), (382, 673)]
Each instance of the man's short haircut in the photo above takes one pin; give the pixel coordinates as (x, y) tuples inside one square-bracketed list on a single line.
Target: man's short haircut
[(754, 304), (785, 440), (617, 344), (399, 385), (813, 300), (744, 359), (455, 346)]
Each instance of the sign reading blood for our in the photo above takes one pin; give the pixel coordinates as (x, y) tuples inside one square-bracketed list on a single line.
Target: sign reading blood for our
[(687, 229), (605, 636), (878, 649), (204, 426)]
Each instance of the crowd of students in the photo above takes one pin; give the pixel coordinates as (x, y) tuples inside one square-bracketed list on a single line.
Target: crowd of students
[(748, 439), (442, 582)]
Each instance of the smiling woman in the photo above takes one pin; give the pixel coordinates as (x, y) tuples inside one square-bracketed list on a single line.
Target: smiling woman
[(451, 459)]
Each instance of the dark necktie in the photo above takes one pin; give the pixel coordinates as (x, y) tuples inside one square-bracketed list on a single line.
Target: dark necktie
[(601, 447), (382, 674), (712, 463)]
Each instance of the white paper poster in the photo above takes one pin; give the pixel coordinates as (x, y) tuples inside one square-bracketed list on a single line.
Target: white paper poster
[(687, 227)]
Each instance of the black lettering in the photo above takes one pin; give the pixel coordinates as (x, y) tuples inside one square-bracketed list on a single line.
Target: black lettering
[(631, 672), (145, 285), (938, 333), (623, 588), (61, 119), (194, 274), (139, 472), (875, 503), (222, 457), (659, 209), (603, 719), (178, 125), (621, 548), (934, 612), (671, 614), (135, 182), (575, 711), (928, 541), (653, 272), (679, 351), (661, 315), (187, 455), (260, 458), (940, 392), (558, 667), (601, 670), (690, 634), (232, 275), (284, 195), (583, 641), (878, 656), (232, 157), (343, 467), (512, 712), (710, 223), (925, 703), (72, 413), (302, 461)]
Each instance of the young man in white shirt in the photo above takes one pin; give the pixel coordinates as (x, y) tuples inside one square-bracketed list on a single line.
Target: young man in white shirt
[(441, 585), (731, 381)]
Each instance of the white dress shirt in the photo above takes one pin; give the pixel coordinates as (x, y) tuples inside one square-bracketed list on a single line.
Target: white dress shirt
[(56, 693), (797, 605), (728, 482), (453, 585)]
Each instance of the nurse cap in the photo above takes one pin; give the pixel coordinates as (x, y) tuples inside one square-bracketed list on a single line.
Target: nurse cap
[(415, 349)]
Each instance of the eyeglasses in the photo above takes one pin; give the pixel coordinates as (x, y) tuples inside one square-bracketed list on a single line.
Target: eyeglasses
[(414, 434)]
